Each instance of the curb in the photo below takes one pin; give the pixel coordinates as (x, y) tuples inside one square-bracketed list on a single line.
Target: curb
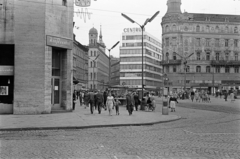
[(86, 127)]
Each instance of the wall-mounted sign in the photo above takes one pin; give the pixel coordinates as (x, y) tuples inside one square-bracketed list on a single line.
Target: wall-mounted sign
[(59, 42), (3, 90), (132, 30), (83, 3), (6, 70)]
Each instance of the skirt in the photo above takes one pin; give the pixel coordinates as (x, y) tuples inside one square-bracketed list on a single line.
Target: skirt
[(173, 104)]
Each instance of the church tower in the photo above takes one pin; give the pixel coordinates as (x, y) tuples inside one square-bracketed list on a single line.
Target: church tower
[(93, 36), (174, 6)]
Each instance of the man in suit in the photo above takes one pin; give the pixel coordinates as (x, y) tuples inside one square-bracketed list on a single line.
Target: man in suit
[(99, 101), (91, 101), (130, 102)]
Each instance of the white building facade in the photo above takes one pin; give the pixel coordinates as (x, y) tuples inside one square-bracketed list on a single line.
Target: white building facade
[(131, 60)]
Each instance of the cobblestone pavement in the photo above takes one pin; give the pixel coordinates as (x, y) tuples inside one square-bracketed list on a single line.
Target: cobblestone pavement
[(199, 135)]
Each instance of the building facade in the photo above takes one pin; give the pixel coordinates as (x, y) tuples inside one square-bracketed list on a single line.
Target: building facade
[(35, 56), (98, 63), (200, 50), (80, 65), (131, 60), (115, 71)]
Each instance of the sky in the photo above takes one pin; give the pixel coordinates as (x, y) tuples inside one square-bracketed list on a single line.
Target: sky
[(107, 13)]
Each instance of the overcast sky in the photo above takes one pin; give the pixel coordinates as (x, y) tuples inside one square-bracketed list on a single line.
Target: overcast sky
[(108, 14)]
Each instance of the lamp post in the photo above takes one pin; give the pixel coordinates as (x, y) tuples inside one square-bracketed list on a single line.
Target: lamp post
[(94, 62), (142, 28), (109, 50)]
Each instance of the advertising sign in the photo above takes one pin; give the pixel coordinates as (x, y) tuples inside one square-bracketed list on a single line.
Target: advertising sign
[(59, 42), (6, 70), (83, 3), (3, 90)]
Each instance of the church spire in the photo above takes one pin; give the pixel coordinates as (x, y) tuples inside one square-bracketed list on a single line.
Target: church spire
[(100, 36), (174, 6)]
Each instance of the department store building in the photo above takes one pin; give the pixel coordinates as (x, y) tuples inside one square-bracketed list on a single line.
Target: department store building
[(131, 60), (35, 56)]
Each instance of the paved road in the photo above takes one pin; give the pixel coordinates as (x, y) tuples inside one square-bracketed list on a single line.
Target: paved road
[(200, 134)]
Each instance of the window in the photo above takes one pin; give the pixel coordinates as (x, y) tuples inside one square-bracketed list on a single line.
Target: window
[(217, 56), (198, 28), (207, 42), (236, 56), (123, 37), (167, 69), (226, 42), (236, 69), (217, 42), (91, 76), (235, 43), (174, 56), (91, 53), (227, 56), (227, 69), (217, 69), (188, 69), (217, 29), (174, 41), (208, 69), (198, 56), (174, 28), (198, 69), (167, 56), (174, 69), (235, 30), (207, 56), (167, 28), (64, 2), (207, 28), (198, 41), (226, 29), (94, 53), (167, 41), (94, 75)]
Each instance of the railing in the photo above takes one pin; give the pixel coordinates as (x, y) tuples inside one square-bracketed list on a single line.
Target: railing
[(171, 62), (225, 63)]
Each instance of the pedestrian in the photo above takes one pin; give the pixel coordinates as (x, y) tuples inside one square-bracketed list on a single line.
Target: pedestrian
[(117, 103), (99, 101), (130, 102), (92, 101), (80, 98), (225, 95), (105, 95), (86, 99), (74, 99), (110, 103), (232, 96), (136, 101), (172, 103), (192, 95)]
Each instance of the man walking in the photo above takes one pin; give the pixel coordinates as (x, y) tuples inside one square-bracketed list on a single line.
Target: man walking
[(91, 101), (136, 101), (130, 102), (99, 101)]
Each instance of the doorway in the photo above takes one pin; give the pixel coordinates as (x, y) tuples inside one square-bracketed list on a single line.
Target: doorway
[(56, 79)]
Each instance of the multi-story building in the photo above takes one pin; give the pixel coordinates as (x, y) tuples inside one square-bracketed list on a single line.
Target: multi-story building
[(206, 45), (80, 64), (35, 56), (98, 65), (131, 60), (115, 71)]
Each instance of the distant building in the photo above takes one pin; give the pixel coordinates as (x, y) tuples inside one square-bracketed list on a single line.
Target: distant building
[(210, 41), (80, 65), (131, 60), (36, 56), (98, 65), (115, 71)]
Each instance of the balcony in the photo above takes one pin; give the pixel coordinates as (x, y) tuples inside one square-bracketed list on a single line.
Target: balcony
[(225, 63), (171, 62)]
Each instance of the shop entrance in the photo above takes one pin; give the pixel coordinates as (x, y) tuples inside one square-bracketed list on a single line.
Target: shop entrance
[(56, 79)]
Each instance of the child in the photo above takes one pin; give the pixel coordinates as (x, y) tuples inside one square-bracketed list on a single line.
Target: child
[(172, 103), (117, 103)]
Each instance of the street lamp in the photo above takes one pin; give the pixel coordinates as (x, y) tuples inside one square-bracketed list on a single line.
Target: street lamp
[(109, 50), (142, 28)]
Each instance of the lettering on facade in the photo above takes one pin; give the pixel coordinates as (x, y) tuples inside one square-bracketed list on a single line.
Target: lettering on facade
[(6, 70), (83, 3), (59, 42), (132, 30)]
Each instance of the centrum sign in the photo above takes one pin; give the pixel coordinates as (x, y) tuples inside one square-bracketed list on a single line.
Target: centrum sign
[(83, 3), (59, 42), (132, 30)]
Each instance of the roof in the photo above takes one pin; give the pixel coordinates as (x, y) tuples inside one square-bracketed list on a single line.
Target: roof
[(93, 31)]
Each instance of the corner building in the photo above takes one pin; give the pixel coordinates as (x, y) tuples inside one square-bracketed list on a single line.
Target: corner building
[(131, 60), (209, 42), (35, 56)]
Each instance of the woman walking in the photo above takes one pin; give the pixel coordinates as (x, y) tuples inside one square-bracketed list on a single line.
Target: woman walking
[(110, 103)]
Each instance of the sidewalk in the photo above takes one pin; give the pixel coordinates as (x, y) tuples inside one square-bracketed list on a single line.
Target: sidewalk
[(81, 118)]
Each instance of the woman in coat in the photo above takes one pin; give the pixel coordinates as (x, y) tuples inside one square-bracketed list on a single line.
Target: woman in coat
[(110, 103)]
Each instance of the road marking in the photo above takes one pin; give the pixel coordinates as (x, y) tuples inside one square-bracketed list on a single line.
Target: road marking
[(211, 133)]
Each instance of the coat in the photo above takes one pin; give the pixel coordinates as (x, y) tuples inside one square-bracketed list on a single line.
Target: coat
[(99, 97), (129, 100)]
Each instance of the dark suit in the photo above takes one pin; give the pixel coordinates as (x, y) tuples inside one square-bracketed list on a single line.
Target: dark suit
[(130, 103), (99, 101), (91, 101)]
